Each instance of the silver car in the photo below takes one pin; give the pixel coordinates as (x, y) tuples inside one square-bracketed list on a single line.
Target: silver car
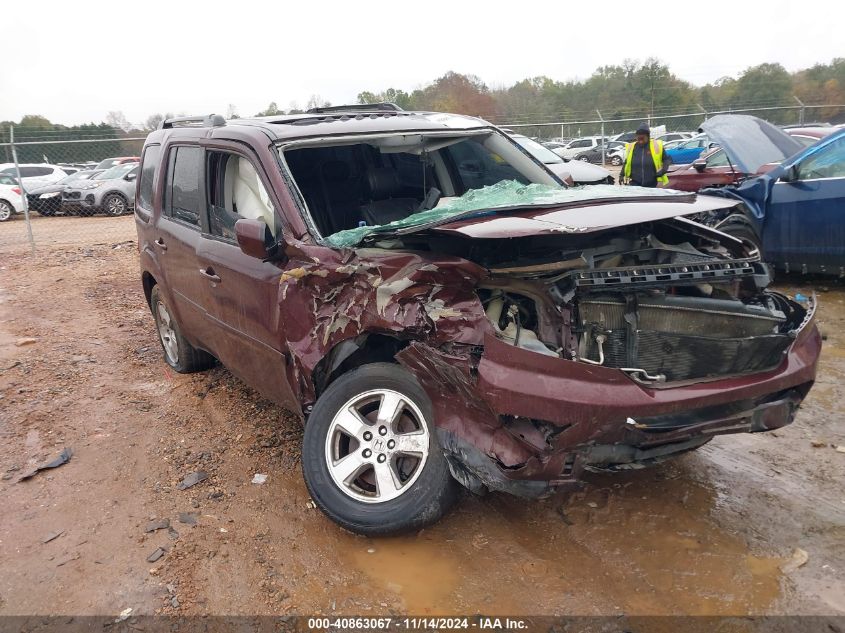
[(112, 192)]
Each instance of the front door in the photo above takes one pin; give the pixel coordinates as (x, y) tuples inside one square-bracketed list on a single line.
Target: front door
[(805, 219), (242, 292)]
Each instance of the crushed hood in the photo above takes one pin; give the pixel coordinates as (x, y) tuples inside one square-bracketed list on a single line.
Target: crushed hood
[(600, 213), (750, 142), (513, 209)]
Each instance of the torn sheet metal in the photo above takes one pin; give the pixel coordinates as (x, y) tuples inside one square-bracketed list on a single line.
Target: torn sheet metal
[(370, 291)]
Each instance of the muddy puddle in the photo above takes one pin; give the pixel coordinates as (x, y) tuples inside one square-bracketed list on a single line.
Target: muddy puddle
[(643, 543)]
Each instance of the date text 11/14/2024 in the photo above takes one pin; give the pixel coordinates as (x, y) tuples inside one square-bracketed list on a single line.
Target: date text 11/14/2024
[(421, 623)]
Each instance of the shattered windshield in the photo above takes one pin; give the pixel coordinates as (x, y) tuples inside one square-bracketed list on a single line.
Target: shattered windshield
[(505, 195), (352, 187)]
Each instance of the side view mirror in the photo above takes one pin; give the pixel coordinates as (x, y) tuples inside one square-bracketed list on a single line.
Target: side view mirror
[(130, 177), (790, 174), (699, 164), (254, 238)]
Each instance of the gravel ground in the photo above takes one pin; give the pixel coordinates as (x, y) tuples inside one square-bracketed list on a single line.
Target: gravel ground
[(710, 533)]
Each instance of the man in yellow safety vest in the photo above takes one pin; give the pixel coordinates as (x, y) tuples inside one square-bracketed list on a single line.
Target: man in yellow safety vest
[(646, 161)]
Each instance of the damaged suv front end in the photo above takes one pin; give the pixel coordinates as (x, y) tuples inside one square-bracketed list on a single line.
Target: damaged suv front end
[(557, 331)]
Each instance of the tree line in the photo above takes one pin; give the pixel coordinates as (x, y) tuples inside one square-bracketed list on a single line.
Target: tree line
[(630, 89)]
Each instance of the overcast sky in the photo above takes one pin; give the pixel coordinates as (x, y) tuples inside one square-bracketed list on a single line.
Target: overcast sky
[(75, 61)]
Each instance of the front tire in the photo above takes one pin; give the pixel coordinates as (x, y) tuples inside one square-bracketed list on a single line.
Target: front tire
[(178, 352), (743, 232), (370, 456), (616, 161)]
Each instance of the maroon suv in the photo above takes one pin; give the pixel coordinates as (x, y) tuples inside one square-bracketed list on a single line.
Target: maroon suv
[(441, 310)]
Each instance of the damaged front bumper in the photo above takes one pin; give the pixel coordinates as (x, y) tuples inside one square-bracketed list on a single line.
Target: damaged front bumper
[(526, 423)]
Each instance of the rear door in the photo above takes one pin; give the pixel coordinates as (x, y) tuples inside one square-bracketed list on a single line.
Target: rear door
[(177, 236), (242, 292), (805, 219)]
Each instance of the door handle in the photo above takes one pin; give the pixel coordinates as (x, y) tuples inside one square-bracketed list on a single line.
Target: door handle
[(209, 274), (160, 243)]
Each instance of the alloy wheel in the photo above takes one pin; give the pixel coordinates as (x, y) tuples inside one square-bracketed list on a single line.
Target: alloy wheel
[(5, 211), (115, 205), (167, 333), (377, 446)]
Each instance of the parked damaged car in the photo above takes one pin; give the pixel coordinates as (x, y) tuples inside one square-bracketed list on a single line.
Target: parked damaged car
[(437, 325), (715, 169), (793, 212)]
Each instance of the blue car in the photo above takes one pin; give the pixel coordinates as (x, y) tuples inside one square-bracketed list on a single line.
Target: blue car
[(687, 151), (795, 212)]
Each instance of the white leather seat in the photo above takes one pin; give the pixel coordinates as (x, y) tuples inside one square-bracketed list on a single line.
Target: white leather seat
[(249, 198)]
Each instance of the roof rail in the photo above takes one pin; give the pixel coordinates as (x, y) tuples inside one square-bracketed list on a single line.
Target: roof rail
[(384, 106), (211, 120)]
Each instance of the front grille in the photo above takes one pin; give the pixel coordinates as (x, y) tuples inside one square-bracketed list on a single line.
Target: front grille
[(73, 195), (683, 338)]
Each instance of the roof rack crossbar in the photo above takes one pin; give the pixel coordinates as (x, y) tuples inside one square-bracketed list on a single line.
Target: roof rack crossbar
[(210, 120), (384, 106)]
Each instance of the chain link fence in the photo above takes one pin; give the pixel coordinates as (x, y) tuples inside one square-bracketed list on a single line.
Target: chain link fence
[(564, 129), (63, 187), (59, 188)]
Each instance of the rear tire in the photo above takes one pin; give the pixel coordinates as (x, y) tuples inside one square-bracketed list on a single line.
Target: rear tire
[(616, 161), (178, 352), (370, 455), (6, 211), (115, 205)]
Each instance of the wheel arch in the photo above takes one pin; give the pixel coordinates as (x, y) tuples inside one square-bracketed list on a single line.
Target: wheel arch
[(736, 219), (352, 353), (148, 282), (114, 192)]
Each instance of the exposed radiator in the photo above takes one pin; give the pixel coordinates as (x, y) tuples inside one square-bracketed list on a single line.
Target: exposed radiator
[(683, 337)]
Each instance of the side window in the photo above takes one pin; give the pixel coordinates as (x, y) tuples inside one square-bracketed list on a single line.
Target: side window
[(828, 162), (235, 192), (182, 198), (719, 159), (148, 169)]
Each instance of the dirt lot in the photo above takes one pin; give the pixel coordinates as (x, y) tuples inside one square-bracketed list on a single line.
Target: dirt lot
[(705, 534)]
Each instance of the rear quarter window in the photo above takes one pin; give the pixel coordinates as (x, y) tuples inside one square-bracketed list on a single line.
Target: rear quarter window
[(149, 165)]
